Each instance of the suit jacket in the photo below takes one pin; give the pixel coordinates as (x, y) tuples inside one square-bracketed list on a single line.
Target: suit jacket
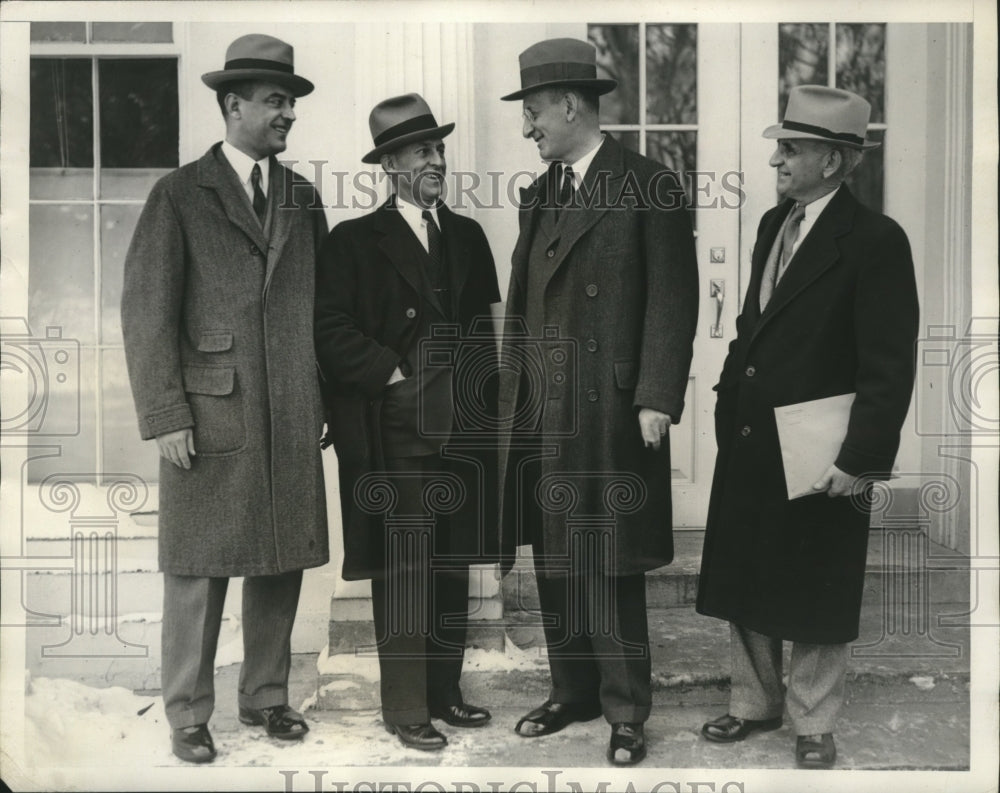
[(842, 319), (217, 323), (375, 310), (621, 299)]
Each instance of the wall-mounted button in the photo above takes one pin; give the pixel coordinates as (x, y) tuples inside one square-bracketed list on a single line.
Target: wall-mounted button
[(591, 290), (411, 313), (592, 345), (593, 395), (717, 255), (751, 371), (745, 432)]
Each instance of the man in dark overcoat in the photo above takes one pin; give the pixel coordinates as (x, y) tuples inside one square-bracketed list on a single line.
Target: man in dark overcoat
[(217, 318), (831, 309), (593, 372), (402, 305)]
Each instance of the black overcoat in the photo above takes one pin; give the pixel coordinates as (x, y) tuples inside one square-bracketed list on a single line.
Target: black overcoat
[(622, 305), (842, 319), (375, 310)]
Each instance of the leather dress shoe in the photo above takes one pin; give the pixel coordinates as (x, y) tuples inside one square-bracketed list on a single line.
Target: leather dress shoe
[(280, 721), (552, 716), (463, 715), (193, 744), (628, 744), (815, 751), (418, 736), (729, 729)]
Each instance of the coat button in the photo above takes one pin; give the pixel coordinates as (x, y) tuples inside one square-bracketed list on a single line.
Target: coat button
[(745, 431), (254, 250), (751, 371), (591, 290), (550, 253), (593, 395), (411, 313), (591, 345)]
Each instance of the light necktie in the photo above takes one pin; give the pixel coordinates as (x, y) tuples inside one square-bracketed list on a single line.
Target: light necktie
[(776, 264), (259, 200)]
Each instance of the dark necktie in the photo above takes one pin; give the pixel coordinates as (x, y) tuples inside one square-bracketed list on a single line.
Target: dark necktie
[(566, 188), (259, 200), (439, 282)]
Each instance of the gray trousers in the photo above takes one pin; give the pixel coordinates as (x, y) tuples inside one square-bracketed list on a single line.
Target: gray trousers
[(816, 681), (192, 617)]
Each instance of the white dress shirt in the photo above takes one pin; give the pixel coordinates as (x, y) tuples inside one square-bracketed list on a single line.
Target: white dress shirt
[(813, 210), (413, 215), (243, 165), (580, 166)]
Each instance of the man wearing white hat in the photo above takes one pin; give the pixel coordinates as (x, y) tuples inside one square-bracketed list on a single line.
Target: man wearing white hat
[(217, 318), (417, 510), (831, 309)]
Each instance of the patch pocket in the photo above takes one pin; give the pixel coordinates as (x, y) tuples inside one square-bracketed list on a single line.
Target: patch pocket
[(217, 406), (626, 374), (215, 341)]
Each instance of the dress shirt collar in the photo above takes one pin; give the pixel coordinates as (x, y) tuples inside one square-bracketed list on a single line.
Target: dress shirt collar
[(413, 215), (243, 164), (580, 166), (812, 211)]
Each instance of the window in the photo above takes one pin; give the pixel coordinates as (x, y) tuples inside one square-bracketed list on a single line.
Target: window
[(654, 110), (840, 55), (104, 128)]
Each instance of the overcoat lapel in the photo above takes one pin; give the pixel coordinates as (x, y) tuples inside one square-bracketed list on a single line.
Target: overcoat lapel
[(279, 199), (215, 173), (817, 253), (457, 252), (404, 250)]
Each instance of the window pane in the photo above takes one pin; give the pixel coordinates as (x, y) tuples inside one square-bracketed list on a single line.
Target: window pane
[(59, 31), (62, 123), (138, 113), (861, 64), (671, 74), (117, 224), (868, 178), (132, 31), (61, 183), (618, 59), (802, 58), (679, 152), (630, 140), (124, 450), (61, 269)]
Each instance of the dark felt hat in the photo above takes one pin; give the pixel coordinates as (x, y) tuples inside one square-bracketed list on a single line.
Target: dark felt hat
[(260, 57), (560, 62), (400, 120)]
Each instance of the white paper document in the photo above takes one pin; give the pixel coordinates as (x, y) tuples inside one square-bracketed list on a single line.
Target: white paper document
[(810, 434)]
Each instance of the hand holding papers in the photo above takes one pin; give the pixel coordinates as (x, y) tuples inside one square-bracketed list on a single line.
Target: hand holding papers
[(810, 434)]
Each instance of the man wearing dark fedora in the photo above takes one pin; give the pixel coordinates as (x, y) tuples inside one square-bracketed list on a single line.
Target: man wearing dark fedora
[(217, 310), (831, 309), (409, 274), (605, 262)]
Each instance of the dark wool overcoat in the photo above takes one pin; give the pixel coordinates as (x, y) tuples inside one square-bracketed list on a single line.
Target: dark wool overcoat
[(620, 301), (843, 318), (218, 336), (376, 310)]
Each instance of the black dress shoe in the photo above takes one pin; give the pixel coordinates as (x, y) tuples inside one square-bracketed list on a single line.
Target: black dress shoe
[(729, 729), (193, 744), (551, 717), (815, 751), (463, 715), (280, 721), (418, 736), (628, 744)]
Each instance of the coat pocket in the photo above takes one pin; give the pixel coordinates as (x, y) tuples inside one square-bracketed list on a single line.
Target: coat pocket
[(626, 374), (215, 341), (217, 406)]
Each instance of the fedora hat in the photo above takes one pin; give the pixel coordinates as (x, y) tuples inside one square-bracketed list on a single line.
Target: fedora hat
[(260, 57), (559, 62), (400, 120), (821, 113)]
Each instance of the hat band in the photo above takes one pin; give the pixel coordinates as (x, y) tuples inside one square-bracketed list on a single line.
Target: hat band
[(259, 63), (556, 72), (415, 124), (846, 137)]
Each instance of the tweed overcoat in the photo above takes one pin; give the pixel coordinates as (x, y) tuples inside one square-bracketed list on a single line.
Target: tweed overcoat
[(842, 319), (375, 310), (218, 336), (621, 305)]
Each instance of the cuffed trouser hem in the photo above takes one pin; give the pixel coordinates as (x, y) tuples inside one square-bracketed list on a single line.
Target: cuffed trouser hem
[(199, 713), (405, 717), (628, 715), (268, 698)]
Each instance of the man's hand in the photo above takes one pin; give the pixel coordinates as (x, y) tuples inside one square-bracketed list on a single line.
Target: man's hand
[(396, 376), (177, 446), (653, 425), (835, 482)]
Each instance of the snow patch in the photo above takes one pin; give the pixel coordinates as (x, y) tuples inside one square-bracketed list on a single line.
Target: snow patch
[(923, 682)]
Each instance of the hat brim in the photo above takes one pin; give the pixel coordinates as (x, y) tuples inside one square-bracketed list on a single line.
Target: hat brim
[(776, 131), (602, 86), (375, 154), (299, 86)]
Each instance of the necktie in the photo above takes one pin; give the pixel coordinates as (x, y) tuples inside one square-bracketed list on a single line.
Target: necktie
[(439, 283), (566, 188), (259, 201), (776, 265)]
